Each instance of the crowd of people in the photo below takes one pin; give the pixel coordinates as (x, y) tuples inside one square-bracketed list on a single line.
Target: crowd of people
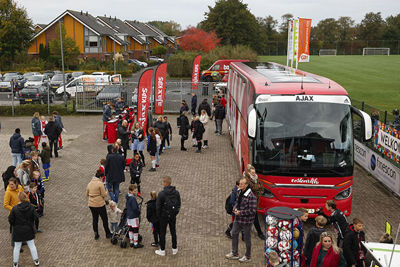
[(24, 180)]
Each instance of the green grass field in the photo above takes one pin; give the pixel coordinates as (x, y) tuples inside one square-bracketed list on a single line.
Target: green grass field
[(372, 79)]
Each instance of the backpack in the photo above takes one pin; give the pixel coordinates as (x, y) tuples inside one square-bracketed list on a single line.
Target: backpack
[(171, 205), (228, 205)]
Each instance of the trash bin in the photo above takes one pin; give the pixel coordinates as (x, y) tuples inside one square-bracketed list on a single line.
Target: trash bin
[(112, 127)]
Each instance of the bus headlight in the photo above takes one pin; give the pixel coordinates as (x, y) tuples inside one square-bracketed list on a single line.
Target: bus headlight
[(344, 194), (266, 193)]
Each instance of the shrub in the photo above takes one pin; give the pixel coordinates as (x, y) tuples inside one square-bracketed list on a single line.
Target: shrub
[(29, 109), (181, 64)]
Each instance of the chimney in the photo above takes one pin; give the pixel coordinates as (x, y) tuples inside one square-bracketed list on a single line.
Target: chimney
[(86, 13), (81, 12), (115, 18)]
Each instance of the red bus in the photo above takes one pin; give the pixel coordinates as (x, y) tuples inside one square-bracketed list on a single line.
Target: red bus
[(297, 130)]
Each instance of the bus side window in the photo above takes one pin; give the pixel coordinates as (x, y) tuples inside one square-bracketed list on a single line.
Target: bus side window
[(357, 127)]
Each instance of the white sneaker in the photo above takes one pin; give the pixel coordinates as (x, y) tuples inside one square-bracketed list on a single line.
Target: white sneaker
[(244, 259), (160, 252), (231, 256), (174, 251), (36, 262)]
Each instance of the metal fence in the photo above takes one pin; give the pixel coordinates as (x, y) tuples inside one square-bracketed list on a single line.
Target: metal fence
[(346, 47), (176, 91)]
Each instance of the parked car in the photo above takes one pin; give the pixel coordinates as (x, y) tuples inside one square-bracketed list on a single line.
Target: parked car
[(37, 80), (57, 81), (1, 77), (49, 73), (110, 93), (28, 74), (38, 94), (153, 58), (138, 63), (77, 74), (218, 70), (5, 84)]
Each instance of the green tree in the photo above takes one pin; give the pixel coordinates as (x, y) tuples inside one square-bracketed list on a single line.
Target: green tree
[(371, 27), (170, 28), (159, 50), (283, 27), (70, 50), (392, 31), (327, 30), (15, 31), (232, 21), (44, 52), (346, 28), (268, 27)]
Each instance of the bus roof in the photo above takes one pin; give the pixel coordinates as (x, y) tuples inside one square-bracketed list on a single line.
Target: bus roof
[(275, 79)]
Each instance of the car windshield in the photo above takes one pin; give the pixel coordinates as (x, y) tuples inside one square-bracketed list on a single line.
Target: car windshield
[(57, 78), (111, 89), (30, 90), (304, 138), (35, 78), (8, 78), (77, 74)]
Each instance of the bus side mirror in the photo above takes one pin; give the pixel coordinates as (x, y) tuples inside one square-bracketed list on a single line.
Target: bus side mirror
[(252, 122), (366, 123)]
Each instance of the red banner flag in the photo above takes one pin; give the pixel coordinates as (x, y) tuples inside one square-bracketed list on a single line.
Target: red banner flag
[(159, 89), (144, 97), (304, 40), (196, 72)]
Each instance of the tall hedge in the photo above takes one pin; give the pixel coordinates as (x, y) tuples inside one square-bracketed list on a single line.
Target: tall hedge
[(181, 63)]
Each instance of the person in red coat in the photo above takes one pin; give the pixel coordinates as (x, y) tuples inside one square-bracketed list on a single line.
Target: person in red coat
[(326, 253)]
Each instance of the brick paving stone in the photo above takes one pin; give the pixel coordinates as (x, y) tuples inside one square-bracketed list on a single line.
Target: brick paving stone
[(204, 181)]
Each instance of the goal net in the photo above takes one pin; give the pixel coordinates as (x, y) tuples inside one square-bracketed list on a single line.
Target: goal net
[(327, 52), (373, 51)]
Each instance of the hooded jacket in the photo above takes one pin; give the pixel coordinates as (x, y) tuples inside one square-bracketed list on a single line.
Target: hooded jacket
[(17, 144), (351, 245), (312, 239), (96, 193), (11, 197), (168, 192), (132, 206), (52, 130), (204, 105), (114, 168), (151, 213), (22, 219), (36, 127), (45, 155), (9, 173)]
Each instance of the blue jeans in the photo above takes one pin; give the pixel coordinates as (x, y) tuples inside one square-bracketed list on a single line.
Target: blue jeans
[(158, 156), (17, 159), (113, 190), (32, 248), (114, 227)]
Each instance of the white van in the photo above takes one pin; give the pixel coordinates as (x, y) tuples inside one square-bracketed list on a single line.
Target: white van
[(88, 83)]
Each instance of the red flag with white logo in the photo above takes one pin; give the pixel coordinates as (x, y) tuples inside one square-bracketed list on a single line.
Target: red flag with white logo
[(159, 89), (196, 72), (144, 97)]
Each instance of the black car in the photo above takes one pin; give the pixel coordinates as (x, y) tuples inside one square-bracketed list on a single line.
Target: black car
[(57, 81), (110, 93), (36, 94)]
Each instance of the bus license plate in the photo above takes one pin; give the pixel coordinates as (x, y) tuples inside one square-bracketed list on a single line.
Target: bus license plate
[(28, 100)]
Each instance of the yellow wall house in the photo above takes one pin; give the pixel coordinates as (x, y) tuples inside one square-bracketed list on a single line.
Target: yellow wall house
[(93, 38), (153, 38)]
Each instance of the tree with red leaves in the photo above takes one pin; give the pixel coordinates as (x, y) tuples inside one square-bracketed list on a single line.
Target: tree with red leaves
[(198, 40)]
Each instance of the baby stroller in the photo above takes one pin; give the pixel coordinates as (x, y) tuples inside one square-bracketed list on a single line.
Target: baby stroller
[(123, 229)]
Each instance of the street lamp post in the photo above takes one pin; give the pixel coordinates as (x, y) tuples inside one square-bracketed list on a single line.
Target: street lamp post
[(115, 67)]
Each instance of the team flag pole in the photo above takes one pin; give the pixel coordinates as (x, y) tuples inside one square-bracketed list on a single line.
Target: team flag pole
[(144, 97), (298, 41), (159, 92)]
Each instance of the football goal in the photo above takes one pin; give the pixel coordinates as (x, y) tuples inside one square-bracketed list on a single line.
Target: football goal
[(374, 51), (327, 52)]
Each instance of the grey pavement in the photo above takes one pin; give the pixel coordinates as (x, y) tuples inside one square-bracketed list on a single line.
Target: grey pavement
[(204, 181)]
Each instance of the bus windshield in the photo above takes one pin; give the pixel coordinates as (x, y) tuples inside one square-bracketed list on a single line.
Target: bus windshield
[(304, 139)]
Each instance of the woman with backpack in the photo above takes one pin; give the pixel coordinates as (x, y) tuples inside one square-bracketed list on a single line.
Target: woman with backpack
[(230, 202), (198, 131)]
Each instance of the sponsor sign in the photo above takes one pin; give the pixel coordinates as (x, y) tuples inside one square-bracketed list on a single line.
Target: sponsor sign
[(379, 167), (196, 72), (290, 40), (159, 92), (304, 98), (144, 97), (389, 142), (304, 40)]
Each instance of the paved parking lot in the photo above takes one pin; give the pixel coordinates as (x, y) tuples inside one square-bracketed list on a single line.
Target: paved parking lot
[(204, 181)]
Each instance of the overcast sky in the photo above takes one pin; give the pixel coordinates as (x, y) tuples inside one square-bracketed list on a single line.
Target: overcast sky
[(191, 12)]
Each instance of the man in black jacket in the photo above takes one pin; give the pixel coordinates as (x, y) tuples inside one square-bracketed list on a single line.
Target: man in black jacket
[(17, 145), (123, 134), (337, 219), (184, 130), (168, 205), (353, 251), (114, 170), (204, 105), (219, 117), (162, 126), (313, 237), (53, 130)]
